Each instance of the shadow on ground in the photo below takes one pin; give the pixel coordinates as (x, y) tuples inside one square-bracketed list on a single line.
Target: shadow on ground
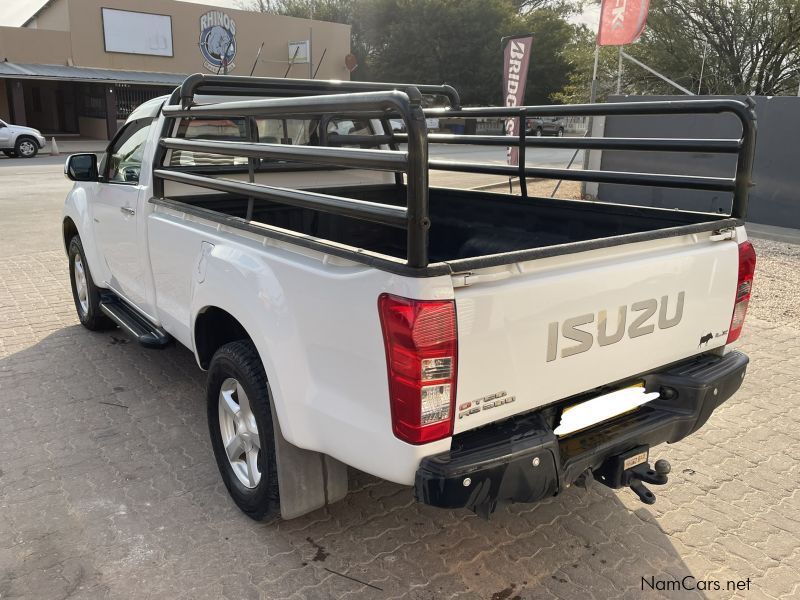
[(109, 488)]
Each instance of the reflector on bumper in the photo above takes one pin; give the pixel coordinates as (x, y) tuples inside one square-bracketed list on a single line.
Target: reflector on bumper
[(602, 408)]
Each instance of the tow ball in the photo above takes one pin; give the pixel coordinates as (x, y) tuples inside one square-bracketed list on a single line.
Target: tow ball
[(631, 469)]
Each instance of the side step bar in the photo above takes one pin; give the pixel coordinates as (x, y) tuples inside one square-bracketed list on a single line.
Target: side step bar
[(133, 322)]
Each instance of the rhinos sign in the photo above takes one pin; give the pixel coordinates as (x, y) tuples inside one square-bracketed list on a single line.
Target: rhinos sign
[(217, 41)]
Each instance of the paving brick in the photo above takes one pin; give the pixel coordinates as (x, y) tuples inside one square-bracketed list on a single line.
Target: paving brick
[(123, 500)]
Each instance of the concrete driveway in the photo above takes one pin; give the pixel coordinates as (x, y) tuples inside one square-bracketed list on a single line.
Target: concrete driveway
[(108, 487)]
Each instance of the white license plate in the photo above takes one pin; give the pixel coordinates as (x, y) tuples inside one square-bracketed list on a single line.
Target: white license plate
[(602, 408)]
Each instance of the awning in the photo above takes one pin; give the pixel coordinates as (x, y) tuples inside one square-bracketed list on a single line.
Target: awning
[(9, 70)]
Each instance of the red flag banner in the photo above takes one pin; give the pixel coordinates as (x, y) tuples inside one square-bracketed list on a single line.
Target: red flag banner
[(622, 21), (516, 58)]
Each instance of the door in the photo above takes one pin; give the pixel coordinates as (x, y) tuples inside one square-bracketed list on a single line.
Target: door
[(115, 212)]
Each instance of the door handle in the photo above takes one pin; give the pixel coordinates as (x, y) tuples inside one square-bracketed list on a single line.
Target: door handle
[(127, 211)]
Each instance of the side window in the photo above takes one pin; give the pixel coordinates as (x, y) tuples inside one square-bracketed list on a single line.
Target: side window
[(208, 129), (124, 158), (272, 131), (341, 128)]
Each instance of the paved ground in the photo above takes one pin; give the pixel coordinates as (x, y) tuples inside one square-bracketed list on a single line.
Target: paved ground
[(108, 488)]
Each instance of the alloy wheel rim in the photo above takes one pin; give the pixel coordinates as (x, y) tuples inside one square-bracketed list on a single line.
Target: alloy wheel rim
[(81, 285), (239, 431), (26, 148)]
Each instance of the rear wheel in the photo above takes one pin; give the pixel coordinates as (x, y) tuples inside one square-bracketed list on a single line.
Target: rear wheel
[(85, 293), (560, 132), (240, 425), (538, 132), (26, 147)]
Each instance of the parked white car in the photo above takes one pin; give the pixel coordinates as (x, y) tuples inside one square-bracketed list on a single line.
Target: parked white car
[(20, 141), (483, 348)]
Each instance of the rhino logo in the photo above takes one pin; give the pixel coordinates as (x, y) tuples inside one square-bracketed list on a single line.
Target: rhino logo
[(217, 41)]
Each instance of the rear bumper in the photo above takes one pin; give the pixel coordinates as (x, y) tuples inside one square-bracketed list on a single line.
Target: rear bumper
[(522, 460)]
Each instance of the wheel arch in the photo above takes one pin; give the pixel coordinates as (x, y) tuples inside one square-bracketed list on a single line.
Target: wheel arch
[(213, 328), (68, 231)]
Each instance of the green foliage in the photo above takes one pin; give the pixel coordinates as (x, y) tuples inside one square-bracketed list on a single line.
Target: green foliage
[(448, 41), (750, 47)]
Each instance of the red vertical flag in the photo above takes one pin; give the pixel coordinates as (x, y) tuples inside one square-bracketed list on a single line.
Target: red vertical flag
[(621, 21), (516, 57)]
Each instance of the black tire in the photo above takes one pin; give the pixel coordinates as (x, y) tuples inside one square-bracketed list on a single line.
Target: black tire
[(539, 132), (239, 360), (90, 316), (10, 153), (26, 147), (560, 132)]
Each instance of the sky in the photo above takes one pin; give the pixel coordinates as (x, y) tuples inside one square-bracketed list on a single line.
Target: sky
[(14, 13)]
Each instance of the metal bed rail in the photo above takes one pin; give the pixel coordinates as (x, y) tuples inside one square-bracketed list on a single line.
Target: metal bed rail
[(743, 146), (413, 162), (316, 99)]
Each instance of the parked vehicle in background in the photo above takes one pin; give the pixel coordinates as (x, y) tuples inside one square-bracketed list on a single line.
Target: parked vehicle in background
[(539, 126), (483, 348), (20, 141)]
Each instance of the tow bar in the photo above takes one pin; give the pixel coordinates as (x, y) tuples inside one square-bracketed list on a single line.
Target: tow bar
[(631, 469)]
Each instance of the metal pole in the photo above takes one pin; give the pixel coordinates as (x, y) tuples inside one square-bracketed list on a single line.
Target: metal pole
[(310, 62), (593, 91), (255, 62), (291, 62), (619, 73), (319, 64), (592, 98), (702, 68), (656, 73)]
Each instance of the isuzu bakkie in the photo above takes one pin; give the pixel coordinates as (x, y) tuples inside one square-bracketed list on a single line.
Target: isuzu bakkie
[(484, 348)]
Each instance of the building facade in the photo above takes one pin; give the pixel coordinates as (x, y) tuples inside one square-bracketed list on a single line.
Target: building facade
[(78, 67)]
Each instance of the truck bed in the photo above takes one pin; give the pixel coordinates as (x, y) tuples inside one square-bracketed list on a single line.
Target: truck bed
[(410, 227), (465, 224)]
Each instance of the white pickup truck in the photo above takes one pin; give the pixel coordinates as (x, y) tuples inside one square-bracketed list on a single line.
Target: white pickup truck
[(484, 348)]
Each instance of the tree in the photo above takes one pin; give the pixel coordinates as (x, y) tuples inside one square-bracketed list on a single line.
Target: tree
[(579, 53), (550, 66), (447, 41), (751, 46)]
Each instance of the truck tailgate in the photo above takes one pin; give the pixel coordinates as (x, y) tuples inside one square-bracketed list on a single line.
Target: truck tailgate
[(555, 327)]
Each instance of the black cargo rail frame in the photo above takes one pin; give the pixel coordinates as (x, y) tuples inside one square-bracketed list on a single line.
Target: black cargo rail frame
[(310, 98)]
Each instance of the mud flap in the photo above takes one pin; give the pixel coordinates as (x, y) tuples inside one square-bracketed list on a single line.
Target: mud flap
[(307, 480)]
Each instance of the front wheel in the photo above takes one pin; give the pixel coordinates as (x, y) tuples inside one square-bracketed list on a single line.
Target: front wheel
[(85, 293), (538, 132), (560, 132), (240, 425), (26, 148)]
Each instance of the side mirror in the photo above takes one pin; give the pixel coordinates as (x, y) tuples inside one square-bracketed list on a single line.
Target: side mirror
[(81, 167)]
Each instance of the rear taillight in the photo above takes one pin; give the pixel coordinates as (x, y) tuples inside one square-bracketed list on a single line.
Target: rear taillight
[(747, 266), (421, 357)]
